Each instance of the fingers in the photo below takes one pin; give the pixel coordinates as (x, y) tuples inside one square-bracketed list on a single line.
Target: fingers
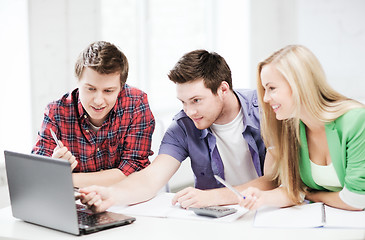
[(90, 198), (251, 198), (74, 163), (63, 153), (250, 202), (99, 206), (98, 199), (186, 202), (179, 194), (188, 197)]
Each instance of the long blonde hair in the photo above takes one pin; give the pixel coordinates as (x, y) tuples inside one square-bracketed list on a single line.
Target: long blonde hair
[(310, 91)]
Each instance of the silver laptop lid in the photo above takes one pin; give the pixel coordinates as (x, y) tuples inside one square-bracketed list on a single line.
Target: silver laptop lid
[(41, 191)]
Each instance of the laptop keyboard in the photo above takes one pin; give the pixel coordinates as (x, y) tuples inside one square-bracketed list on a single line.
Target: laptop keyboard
[(87, 218)]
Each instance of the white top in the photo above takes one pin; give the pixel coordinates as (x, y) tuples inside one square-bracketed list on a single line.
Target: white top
[(234, 151), (326, 177), (94, 128)]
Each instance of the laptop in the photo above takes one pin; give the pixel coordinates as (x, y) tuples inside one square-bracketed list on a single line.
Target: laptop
[(41, 192)]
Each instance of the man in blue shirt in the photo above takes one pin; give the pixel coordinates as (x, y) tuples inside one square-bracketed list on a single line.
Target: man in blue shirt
[(218, 129)]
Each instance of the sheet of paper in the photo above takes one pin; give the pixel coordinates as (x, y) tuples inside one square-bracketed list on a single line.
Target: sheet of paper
[(309, 215), (160, 206), (337, 218), (303, 216)]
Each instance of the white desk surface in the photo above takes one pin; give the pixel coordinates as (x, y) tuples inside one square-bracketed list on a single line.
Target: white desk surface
[(175, 229)]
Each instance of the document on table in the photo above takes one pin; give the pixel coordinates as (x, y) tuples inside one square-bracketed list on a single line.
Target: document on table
[(160, 206), (309, 216)]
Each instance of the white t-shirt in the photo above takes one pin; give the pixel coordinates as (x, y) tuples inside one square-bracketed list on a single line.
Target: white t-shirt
[(326, 176), (234, 151), (94, 128)]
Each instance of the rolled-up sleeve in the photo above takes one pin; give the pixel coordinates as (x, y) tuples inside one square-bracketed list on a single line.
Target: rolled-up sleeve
[(353, 192), (352, 199)]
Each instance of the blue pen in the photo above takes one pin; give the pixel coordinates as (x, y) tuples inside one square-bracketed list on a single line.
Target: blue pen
[(229, 186)]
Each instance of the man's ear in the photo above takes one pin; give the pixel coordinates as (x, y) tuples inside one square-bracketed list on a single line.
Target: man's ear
[(223, 88)]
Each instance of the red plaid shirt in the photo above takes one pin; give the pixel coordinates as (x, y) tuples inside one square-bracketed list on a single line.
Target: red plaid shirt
[(123, 141)]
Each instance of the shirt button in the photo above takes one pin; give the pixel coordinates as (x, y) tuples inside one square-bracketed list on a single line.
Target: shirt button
[(255, 103), (87, 130), (202, 174), (97, 149), (85, 116)]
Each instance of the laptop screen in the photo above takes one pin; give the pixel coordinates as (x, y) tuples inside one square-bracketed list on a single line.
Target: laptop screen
[(41, 192)]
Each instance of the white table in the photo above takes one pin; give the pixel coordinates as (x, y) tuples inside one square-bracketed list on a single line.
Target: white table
[(169, 228)]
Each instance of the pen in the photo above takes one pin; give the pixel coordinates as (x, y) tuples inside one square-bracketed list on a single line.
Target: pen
[(229, 186), (54, 137)]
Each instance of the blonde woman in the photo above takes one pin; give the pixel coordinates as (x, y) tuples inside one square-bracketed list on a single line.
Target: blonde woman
[(317, 135)]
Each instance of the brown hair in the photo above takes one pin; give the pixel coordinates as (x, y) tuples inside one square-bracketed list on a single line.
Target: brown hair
[(104, 58), (209, 66)]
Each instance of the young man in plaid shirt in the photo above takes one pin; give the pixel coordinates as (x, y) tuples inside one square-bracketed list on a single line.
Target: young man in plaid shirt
[(104, 126)]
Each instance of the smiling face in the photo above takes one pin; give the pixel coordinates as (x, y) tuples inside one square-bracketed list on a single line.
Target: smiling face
[(199, 103), (98, 94), (277, 92)]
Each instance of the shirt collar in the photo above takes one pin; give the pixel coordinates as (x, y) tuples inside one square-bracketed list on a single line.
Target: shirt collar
[(76, 100), (248, 103)]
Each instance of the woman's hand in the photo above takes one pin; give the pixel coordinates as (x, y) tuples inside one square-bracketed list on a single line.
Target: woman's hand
[(254, 198)]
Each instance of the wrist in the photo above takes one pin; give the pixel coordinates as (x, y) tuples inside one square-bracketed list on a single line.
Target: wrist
[(220, 196), (111, 196), (228, 197)]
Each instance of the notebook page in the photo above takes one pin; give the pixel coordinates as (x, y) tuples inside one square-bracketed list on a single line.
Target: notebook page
[(338, 218), (302, 216)]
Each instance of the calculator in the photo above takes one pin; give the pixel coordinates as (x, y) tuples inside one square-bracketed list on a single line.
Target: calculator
[(215, 212)]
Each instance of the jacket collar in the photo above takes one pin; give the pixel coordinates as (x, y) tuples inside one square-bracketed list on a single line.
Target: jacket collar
[(334, 146)]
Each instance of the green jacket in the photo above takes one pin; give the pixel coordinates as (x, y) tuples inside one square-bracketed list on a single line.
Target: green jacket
[(346, 143)]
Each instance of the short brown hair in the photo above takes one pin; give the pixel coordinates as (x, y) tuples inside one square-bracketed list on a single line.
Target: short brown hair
[(209, 66), (104, 58)]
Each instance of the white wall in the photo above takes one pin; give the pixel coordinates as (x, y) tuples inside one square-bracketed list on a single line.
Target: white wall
[(273, 24), (15, 104), (333, 29), (58, 31)]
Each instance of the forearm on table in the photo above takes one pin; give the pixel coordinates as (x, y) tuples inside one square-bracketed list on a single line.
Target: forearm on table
[(224, 196), (329, 198), (262, 183), (101, 178), (277, 197), (132, 191)]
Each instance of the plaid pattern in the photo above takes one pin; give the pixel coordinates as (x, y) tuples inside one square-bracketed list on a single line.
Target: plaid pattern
[(123, 141)]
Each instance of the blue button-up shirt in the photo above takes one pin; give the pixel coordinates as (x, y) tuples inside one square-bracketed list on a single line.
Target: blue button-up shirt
[(182, 139)]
